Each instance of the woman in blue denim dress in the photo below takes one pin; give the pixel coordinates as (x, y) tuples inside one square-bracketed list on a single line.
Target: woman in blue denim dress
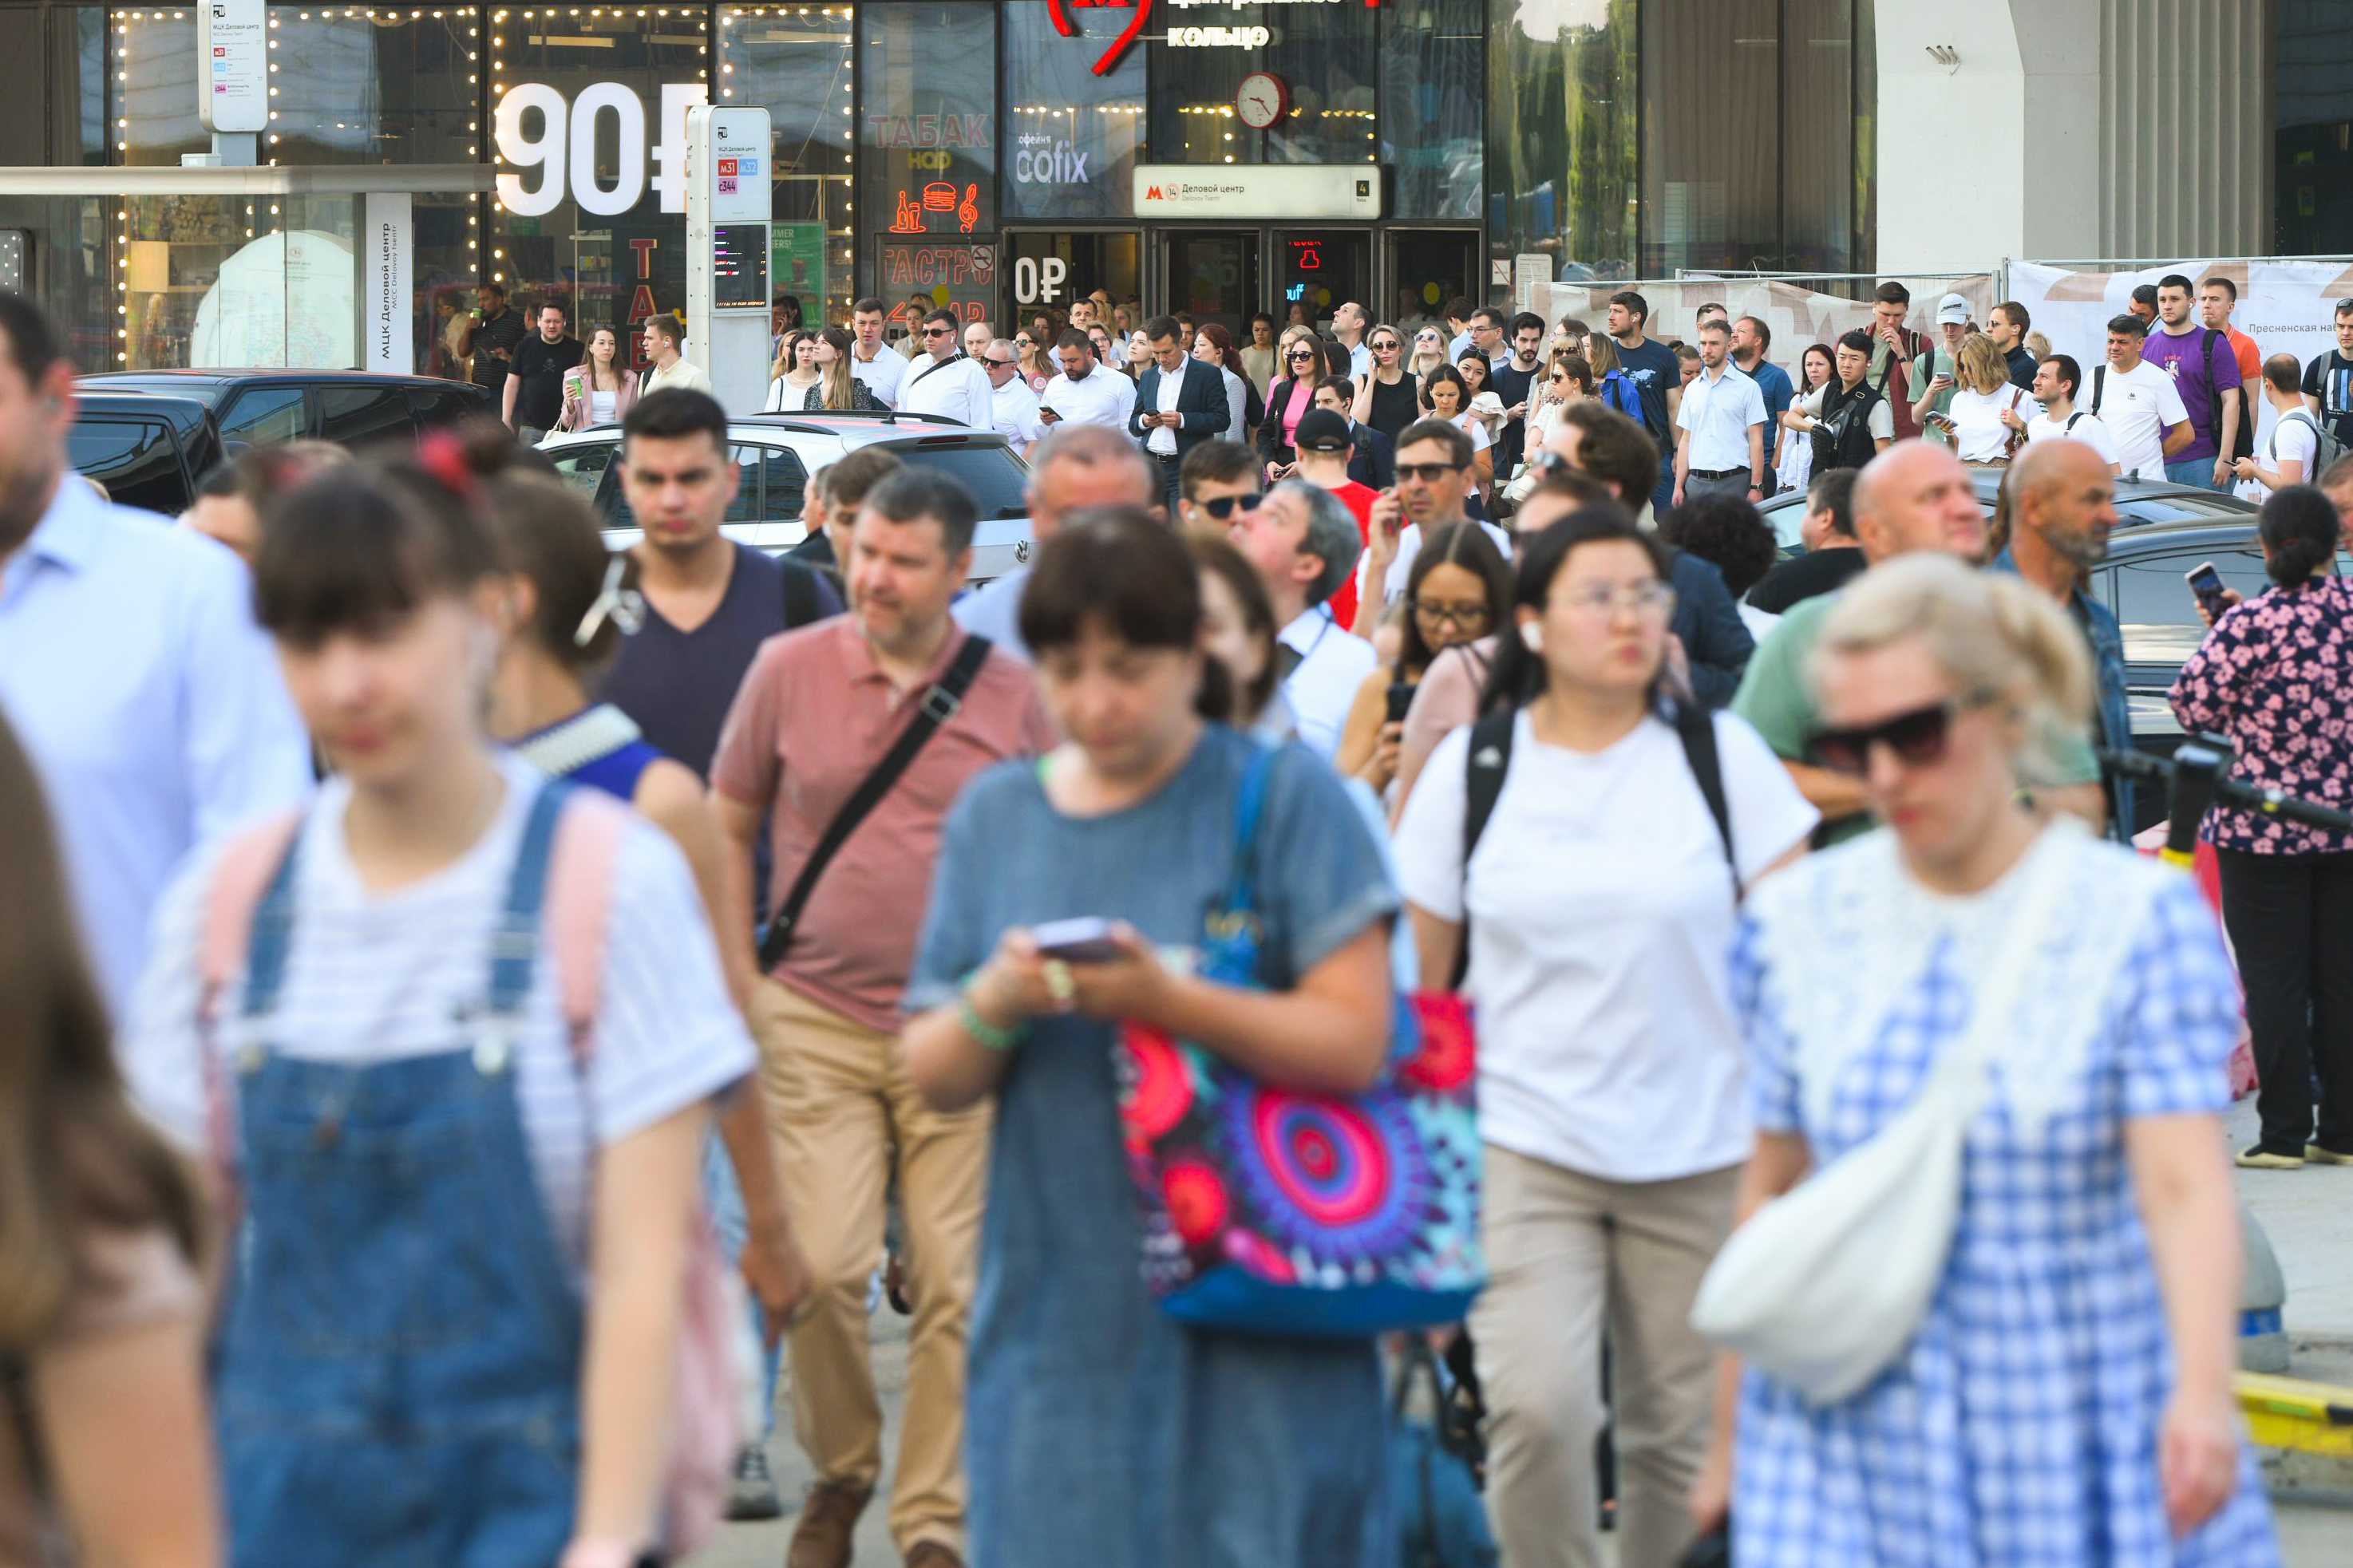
[(1101, 1433)]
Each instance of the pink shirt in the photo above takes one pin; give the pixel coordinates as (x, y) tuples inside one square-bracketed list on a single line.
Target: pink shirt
[(813, 717)]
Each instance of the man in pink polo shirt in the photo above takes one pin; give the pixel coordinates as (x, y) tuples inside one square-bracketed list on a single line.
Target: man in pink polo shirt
[(819, 711)]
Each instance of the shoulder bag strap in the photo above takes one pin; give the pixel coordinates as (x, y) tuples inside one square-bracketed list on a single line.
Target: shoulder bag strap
[(2099, 385), (935, 364), (1486, 760), (1240, 897), (937, 707), (1695, 727)]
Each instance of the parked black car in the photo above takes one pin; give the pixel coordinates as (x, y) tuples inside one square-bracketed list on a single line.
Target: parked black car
[(149, 451), (349, 407)]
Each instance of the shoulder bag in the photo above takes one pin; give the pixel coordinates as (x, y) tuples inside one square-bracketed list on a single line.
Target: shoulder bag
[(938, 706), (1825, 1286), (1272, 1211)]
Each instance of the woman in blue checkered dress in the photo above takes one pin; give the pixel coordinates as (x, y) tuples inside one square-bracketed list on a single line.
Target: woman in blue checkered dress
[(2065, 1399)]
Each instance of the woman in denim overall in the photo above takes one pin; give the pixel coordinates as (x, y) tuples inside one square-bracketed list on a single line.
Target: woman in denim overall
[(453, 1301)]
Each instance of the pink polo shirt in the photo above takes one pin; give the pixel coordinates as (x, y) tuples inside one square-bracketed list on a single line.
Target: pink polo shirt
[(813, 717)]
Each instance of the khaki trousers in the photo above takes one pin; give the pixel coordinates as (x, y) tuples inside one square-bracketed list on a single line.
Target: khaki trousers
[(1563, 1250), (842, 1110)]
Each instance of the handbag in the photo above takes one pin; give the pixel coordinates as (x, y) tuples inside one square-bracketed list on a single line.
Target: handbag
[(1825, 1286), (1440, 1522), (1270, 1210)]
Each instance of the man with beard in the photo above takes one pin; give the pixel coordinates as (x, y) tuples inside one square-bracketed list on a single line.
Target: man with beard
[(2062, 508)]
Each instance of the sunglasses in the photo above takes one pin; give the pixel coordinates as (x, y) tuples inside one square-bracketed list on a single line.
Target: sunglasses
[(1427, 473), (1223, 507), (1389, 347), (1000, 363), (1918, 738), (1299, 354), (939, 332)]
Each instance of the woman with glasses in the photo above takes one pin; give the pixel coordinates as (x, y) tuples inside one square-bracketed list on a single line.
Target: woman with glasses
[(1257, 363), (1038, 367), (1387, 397), (2065, 1396), (1599, 906), (1429, 352), (1445, 394), (1793, 469), (1567, 379), (1568, 335), (1287, 401), (1458, 590), (796, 372), (1213, 345), (1979, 437)]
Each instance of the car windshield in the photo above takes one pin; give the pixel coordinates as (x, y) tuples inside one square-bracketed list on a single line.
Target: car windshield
[(2135, 510), (989, 473)]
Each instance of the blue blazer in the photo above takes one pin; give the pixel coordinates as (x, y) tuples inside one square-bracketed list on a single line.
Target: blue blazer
[(1373, 460), (1201, 407)]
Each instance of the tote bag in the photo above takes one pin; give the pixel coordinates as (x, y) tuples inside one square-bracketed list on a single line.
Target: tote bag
[(1270, 1210)]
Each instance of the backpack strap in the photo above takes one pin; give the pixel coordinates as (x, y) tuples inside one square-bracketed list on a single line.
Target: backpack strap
[(253, 861), (1486, 760), (2099, 385), (1695, 728), (582, 860)]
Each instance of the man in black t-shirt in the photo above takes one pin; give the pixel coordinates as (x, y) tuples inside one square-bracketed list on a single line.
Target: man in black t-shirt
[(535, 383), (1652, 366), (1833, 558), (2329, 379), (491, 340)]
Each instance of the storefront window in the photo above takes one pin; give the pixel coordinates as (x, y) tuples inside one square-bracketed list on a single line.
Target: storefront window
[(1432, 101), (373, 87), (590, 133), (1710, 135), (1073, 137), (233, 280), (1323, 56), (90, 85), (931, 148), (1822, 138), (155, 87), (796, 62), (1561, 153)]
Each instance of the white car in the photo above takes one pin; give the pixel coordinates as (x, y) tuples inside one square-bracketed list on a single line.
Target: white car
[(778, 451)]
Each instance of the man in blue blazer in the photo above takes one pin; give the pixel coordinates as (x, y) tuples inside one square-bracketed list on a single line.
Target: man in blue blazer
[(1179, 404)]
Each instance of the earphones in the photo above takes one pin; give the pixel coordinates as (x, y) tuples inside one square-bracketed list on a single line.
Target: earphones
[(1532, 635)]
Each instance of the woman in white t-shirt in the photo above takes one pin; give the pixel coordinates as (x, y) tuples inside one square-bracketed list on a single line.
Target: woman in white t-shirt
[(1980, 437), (1599, 908), (446, 1174), (1794, 468), (1445, 395)]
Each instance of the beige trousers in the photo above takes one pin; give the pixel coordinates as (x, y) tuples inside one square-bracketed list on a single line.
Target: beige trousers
[(843, 1109), (1562, 1250)]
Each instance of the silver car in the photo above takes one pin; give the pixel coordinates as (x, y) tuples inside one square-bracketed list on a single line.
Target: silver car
[(778, 452)]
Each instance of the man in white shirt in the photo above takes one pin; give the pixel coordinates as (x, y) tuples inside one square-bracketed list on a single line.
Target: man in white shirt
[(668, 368), (1304, 544), (870, 360), (948, 383), (1722, 449), (1180, 402), (1349, 323), (1085, 393), (2056, 380), (2296, 434), (2143, 410), (130, 670), (1012, 406)]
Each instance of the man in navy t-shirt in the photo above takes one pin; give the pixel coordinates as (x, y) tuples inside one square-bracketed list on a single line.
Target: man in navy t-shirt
[(1652, 368)]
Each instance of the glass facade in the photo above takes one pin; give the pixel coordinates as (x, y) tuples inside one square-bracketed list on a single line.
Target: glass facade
[(972, 152), (2312, 129)]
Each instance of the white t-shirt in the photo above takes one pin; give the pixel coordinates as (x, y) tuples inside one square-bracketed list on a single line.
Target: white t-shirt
[(377, 977), (881, 374), (1105, 397), (2139, 406), (1978, 433), (955, 389), (1471, 425), (1409, 545), (1601, 922), (1013, 410), (2294, 441), (2088, 428), (1333, 662)]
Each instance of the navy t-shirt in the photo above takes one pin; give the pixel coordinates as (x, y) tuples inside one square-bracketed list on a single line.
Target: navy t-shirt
[(1652, 369)]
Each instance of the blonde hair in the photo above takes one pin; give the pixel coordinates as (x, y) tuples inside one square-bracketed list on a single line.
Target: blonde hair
[(1991, 634), (1602, 354), (1982, 369)]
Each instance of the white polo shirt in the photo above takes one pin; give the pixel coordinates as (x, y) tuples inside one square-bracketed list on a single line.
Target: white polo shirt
[(1717, 412), (1333, 662), (1104, 397), (2139, 406), (881, 374), (955, 389), (1013, 412), (2081, 426)]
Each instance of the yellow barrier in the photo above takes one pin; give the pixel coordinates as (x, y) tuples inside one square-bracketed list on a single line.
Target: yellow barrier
[(2287, 1412)]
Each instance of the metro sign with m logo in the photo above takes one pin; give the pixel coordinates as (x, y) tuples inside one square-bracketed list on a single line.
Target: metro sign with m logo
[(1060, 11)]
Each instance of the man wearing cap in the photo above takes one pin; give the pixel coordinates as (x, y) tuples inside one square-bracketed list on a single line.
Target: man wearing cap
[(1933, 372), (1325, 446)]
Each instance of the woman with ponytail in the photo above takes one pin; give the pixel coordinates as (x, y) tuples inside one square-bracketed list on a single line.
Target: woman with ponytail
[(1597, 902), (1266, 1451), (2275, 675), (2063, 1393)]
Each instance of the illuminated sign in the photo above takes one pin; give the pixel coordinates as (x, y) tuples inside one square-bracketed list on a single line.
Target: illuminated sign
[(564, 150), (739, 266), (959, 278), (1217, 38), (1264, 190), (1058, 11)]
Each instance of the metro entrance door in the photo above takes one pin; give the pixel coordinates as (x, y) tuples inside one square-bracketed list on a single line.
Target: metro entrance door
[(1211, 273), (1322, 270)]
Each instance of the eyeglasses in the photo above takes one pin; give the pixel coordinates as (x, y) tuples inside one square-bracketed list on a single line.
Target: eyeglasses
[(1428, 473), (1463, 618), (1651, 599), (939, 332), (1223, 507), (1918, 738)]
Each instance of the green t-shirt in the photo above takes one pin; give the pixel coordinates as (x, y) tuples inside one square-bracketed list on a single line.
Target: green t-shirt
[(1778, 704)]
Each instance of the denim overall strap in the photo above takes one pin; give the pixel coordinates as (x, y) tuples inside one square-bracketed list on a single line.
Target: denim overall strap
[(399, 1359), (514, 945), (273, 931)]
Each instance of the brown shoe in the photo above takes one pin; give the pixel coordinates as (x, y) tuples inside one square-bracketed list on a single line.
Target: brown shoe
[(829, 1517), (932, 1554)]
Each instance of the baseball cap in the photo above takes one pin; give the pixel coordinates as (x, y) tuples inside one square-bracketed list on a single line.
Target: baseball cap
[(1321, 430), (1952, 311)]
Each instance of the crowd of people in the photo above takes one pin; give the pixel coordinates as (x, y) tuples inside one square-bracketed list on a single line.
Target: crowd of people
[(432, 939)]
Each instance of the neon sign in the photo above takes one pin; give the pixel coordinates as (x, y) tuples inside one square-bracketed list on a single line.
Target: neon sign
[(1058, 11)]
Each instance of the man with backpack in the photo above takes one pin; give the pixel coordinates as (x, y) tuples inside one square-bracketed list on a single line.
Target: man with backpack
[(2205, 372), (1856, 423), (1894, 347), (2057, 380), (2301, 447)]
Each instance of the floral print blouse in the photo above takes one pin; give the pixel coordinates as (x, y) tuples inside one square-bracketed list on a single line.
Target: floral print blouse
[(2275, 675)]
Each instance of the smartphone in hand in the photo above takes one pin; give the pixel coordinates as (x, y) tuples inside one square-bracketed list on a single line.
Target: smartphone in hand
[(2207, 586), (1085, 939), (1400, 698)]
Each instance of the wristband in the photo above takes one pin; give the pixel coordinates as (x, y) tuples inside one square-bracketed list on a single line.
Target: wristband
[(605, 1554), (979, 1028)]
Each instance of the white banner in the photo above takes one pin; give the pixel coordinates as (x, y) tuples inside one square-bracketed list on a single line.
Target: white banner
[(1796, 315), (388, 326)]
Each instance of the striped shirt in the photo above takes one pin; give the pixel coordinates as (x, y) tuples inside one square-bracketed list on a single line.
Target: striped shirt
[(372, 977)]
